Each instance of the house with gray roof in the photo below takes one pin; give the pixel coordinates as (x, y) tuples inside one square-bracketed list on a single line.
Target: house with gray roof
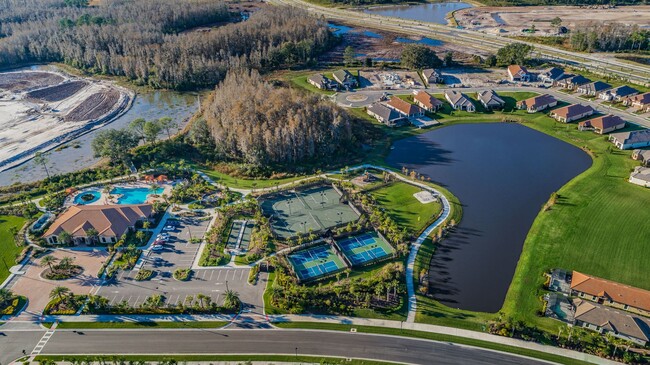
[(537, 103), (432, 76), (459, 101), (618, 93), (490, 100), (346, 79), (640, 176), (384, 114), (605, 320), (629, 140), (322, 82), (551, 75), (642, 155), (571, 82), (594, 88)]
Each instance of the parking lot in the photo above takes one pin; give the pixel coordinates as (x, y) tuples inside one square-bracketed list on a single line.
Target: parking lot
[(179, 252)]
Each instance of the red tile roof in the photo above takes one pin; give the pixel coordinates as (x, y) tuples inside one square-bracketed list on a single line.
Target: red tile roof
[(619, 293)]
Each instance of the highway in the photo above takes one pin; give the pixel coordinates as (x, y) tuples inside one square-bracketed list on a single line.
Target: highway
[(482, 41), (236, 341)]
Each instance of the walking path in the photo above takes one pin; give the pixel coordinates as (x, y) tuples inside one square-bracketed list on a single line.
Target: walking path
[(443, 331)]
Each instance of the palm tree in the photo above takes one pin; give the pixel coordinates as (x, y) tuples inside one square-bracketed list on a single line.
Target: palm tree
[(92, 235), (231, 300), (5, 296), (66, 262), (59, 292), (64, 237), (48, 261)]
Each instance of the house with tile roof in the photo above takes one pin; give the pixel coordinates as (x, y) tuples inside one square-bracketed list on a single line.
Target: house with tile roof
[(109, 221), (384, 114), (424, 100), (405, 108), (519, 73), (609, 321), (630, 140), (459, 101), (640, 102), (537, 103), (603, 124), (572, 112), (593, 88), (618, 93), (490, 100), (610, 293)]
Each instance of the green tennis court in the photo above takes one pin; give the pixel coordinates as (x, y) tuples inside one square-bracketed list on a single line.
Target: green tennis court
[(233, 235), (301, 211), (315, 262), (366, 247)]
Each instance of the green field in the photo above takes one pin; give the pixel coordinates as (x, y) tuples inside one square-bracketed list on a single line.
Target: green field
[(400, 204), (8, 249), (242, 183)]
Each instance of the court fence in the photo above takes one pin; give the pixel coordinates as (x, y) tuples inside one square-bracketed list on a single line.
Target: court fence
[(365, 263)]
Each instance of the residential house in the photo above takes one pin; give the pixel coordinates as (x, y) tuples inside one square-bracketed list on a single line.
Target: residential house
[(612, 322), (640, 176), (618, 93), (641, 102), (551, 75), (322, 82), (642, 155), (570, 113), (629, 140), (537, 103), (610, 293), (490, 100), (571, 82), (432, 76), (459, 101), (346, 79), (602, 125), (384, 114), (426, 101), (594, 88), (109, 221), (405, 108), (519, 73)]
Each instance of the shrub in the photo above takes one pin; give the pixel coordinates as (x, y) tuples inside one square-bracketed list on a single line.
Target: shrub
[(253, 274), (182, 274), (143, 274)]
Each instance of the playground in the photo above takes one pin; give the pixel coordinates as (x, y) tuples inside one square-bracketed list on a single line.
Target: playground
[(314, 209), (364, 248), (315, 262)]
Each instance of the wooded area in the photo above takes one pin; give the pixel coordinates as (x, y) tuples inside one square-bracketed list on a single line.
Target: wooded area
[(144, 40), (253, 122)]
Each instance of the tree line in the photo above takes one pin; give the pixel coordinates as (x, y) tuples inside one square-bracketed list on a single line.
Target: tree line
[(145, 41), (609, 38)]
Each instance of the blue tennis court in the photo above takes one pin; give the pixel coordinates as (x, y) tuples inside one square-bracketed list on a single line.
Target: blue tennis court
[(365, 247), (315, 262)]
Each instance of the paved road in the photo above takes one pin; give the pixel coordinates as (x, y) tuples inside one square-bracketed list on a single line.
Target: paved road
[(476, 40), (323, 343)]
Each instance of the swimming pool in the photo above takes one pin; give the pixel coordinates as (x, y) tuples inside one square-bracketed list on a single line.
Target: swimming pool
[(134, 195), (87, 197)]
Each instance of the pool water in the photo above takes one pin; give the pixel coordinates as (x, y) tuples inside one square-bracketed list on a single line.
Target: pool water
[(94, 193), (134, 195)]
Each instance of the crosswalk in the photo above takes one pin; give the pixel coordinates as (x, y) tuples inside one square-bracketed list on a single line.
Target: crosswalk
[(46, 337)]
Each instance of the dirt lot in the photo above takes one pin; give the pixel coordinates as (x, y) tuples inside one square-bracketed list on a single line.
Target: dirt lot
[(24, 81), (512, 20), (58, 92), (37, 289), (390, 80)]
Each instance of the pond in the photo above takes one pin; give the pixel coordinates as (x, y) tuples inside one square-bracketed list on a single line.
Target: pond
[(340, 30), (430, 12), (78, 155), (503, 174)]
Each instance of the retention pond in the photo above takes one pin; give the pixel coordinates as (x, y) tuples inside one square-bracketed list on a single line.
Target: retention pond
[(503, 174)]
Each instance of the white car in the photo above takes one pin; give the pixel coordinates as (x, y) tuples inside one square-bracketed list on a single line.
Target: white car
[(169, 228), (163, 235), (157, 247), (162, 238)]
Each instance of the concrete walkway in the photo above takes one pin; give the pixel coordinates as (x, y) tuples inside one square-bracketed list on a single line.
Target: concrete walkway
[(443, 331)]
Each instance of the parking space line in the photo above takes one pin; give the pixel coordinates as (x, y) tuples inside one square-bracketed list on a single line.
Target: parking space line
[(241, 275), (203, 274), (218, 277), (211, 273)]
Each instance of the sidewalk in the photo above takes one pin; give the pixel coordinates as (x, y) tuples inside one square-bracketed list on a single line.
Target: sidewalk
[(141, 318), (444, 331)]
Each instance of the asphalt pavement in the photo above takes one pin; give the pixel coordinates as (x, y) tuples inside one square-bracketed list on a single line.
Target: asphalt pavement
[(303, 342)]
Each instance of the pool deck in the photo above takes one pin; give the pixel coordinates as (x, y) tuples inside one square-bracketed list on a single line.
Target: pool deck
[(107, 199)]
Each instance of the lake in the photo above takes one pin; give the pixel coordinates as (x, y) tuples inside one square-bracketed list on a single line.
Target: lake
[(503, 174), (429, 12), (148, 105)]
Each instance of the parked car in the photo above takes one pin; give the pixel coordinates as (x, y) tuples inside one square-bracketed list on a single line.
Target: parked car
[(169, 228), (157, 247), (163, 235)]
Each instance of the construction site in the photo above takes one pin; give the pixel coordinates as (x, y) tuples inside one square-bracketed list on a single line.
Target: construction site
[(40, 110)]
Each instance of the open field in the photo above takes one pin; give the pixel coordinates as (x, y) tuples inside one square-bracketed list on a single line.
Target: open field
[(511, 20), (8, 250), (41, 109), (404, 208)]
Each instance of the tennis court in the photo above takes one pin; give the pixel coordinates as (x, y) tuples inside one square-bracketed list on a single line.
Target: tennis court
[(246, 236), (365, 247), (315, 262), (233, 235), (301, 211)]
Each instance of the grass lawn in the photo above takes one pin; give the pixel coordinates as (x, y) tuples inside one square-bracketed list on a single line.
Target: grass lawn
[(234, 182), (137, 325), (8, 249), (400, 204), (240, 359), (435, 337)]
